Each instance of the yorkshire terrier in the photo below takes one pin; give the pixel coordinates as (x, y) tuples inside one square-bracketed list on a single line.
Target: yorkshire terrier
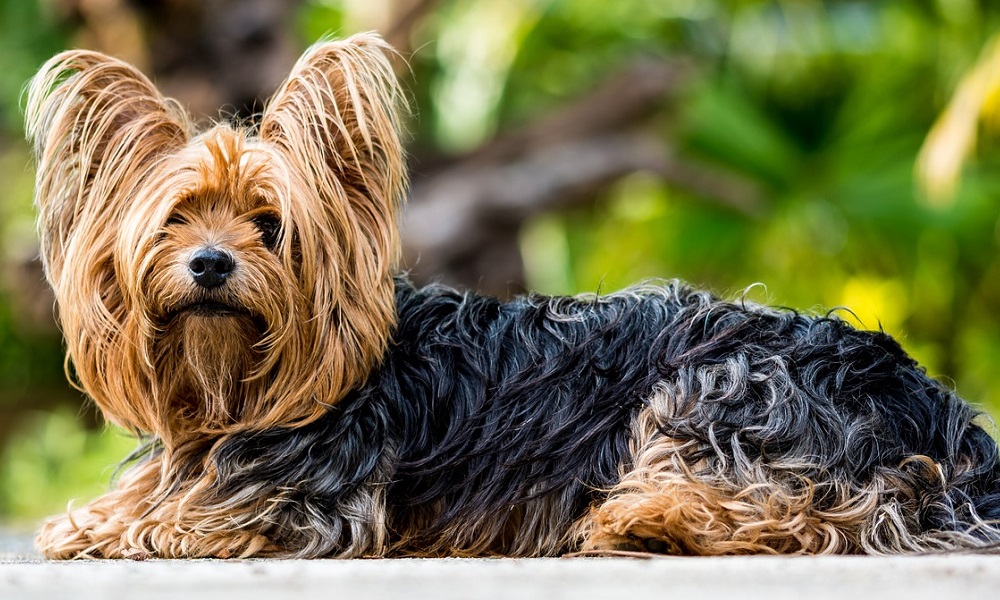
[(232, 297)]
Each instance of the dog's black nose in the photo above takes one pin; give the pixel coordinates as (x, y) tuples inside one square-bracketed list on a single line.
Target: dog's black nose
[(209, 267)]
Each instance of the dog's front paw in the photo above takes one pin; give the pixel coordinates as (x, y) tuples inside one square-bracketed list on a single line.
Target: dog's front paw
[(78, 534)]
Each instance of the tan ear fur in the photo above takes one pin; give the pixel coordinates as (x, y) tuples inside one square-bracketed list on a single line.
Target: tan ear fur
[(336, 120), (97, 126)]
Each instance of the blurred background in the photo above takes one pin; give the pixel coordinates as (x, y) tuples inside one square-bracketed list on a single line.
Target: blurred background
[(842, 153)]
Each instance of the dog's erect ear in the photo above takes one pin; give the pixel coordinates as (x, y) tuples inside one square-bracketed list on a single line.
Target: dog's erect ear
[(97, 125), (336, 121), (337, 117)]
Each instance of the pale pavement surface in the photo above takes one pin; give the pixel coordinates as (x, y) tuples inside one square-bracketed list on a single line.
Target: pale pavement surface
[(23, 575)]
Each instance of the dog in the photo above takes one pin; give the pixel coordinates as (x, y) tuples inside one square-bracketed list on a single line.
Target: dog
[(232, 297)]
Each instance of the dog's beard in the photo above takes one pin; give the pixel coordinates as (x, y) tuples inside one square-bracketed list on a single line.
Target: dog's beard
[(205, 362)]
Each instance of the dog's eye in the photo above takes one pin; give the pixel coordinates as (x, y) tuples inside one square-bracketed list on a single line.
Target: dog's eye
[(176, 220), (269, 225)]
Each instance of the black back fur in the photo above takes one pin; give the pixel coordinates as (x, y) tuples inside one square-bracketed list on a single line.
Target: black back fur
[(481, 408)]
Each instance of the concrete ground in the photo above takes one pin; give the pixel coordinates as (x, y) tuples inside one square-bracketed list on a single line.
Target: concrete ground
[(23, 575)]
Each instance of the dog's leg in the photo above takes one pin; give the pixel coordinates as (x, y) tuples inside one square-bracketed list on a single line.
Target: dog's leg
[(138, 520), (667, 503), (674, 512), (104, 529), (683, 498), (97, 531), (88, 532), (196, 517)]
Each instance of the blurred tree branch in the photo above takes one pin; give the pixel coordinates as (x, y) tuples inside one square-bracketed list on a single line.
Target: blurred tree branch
[(465, 212)]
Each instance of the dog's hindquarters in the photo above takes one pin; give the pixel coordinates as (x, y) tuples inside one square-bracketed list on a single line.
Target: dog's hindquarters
[(758, 431), (778, 433)]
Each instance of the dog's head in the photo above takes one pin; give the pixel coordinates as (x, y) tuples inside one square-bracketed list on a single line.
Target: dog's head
[(232, 279)]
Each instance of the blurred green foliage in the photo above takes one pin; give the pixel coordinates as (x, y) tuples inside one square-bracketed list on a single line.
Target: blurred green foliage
[(28, 36), (52, 461), (823, 104)]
